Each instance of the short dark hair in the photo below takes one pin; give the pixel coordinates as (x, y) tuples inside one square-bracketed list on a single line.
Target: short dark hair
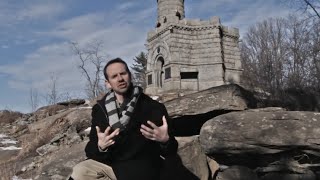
[(116, 60)]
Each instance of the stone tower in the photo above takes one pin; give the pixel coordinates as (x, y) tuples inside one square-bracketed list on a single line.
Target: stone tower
[(189, 55), (170, 11)]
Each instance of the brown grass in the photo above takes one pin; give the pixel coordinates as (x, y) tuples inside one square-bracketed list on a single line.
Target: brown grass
[(33, 141), (7, 170), (7, 116)]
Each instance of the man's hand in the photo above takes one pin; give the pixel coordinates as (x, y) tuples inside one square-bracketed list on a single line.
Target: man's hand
[(156, 133), (104, 138)]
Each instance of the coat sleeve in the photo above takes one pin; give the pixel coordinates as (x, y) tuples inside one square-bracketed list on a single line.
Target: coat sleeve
[(92, 150), (171, 146)]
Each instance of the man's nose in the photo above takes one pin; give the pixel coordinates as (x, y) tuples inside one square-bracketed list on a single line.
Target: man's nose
[(120, 78)]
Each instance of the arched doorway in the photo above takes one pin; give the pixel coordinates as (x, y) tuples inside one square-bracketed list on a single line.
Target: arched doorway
[(158, 70)]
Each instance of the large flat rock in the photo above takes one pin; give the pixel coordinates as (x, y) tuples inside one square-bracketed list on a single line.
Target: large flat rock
[(261, 132), (226, 97)]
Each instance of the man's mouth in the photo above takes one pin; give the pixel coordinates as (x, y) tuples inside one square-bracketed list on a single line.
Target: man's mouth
[(123, 85)]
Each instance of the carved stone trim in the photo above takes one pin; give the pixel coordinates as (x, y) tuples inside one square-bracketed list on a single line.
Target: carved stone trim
[(190, 28)]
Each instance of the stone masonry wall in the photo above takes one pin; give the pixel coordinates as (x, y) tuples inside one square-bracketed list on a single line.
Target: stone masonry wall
[(193, 55), (168, 9)]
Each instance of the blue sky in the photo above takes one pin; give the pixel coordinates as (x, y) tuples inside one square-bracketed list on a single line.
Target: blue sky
[(35, 36)]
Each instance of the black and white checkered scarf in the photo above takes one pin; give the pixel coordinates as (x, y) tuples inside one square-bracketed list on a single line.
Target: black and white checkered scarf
[(122, 119)]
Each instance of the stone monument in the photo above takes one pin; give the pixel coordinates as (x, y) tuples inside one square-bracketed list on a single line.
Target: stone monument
[(189, 55)]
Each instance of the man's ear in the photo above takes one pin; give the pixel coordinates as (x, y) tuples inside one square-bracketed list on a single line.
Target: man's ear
[(107, 84)]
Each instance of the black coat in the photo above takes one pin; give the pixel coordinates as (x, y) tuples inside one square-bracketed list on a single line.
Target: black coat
[(132, 156)]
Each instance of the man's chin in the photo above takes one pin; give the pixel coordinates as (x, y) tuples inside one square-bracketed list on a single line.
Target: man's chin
[(121, 91)]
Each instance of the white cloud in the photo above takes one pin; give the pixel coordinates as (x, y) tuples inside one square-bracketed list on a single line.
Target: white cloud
[(120, 37), (36, 68), (45, 10), (196, 8), (254, 13), (13, 13), (125, 6), (78, 27), (4, 46), (238, 14), (24, 41)]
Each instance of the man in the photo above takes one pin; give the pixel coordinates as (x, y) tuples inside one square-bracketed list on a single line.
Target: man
[(129, 132)]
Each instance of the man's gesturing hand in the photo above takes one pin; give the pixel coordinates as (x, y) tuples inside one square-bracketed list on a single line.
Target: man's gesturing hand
[(156, 133), (104, 138)]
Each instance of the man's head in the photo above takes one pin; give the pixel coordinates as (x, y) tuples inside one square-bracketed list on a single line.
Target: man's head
[(118, 76)]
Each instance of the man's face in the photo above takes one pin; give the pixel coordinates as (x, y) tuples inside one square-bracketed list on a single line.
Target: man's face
[(118, 78)]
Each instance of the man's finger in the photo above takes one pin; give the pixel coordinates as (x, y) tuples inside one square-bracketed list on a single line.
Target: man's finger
[(114, 133), (146, 133), (164, 121), (149, 137), (146, 128), (106, 132), (98, 129), (110, 141), (152, 124)]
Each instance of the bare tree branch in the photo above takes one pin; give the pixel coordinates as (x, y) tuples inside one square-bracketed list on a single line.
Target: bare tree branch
[(34, 99), (91, 56), (312, 7), (53, 95), (281, 54)]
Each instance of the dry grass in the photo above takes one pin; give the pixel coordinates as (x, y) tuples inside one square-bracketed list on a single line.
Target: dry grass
[(8, 170), (29, 143), (32, 141), (7, 116)]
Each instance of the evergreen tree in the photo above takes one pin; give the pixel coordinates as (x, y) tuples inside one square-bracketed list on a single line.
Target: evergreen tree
[(139, 68)]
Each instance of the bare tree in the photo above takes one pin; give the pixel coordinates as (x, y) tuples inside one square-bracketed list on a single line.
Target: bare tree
[(314, 56), (34, 99), (91, 63), (281, 54), (53, 96), (298, 65), (263, 50)]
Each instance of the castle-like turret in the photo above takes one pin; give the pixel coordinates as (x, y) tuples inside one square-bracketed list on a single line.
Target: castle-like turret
[(189, 55), (170, 11)]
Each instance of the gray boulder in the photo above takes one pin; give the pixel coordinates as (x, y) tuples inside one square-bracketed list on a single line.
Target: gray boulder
[(72, 102), (191, 111), (226, 97), (237, 173), (193, 157), (261, 132)]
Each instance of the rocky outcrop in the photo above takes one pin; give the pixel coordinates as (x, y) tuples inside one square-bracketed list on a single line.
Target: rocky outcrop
[(193, 157), (190, 163), (189, 112), (72, 102), (59, 165), (261, 132), (271, 142), (235, 141), (227, 97), (50, 146), (47, 111), (54, 144)]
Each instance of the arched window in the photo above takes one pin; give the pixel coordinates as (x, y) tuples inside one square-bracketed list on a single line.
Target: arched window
[(178, 15), (159, 71)]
